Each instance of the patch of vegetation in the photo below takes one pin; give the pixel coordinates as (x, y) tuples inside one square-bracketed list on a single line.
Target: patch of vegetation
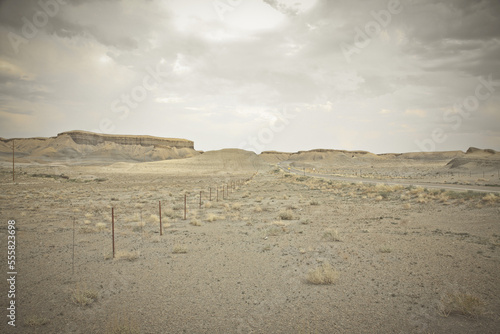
[(82, 296), (127, 255), (35, 321), (286, 215), (331, 235), (461, 303), (179, 249), (323, 275)]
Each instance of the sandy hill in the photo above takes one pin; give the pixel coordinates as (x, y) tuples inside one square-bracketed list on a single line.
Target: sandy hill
[(474, 158), (216, 162), (477, 158), (80, 147)]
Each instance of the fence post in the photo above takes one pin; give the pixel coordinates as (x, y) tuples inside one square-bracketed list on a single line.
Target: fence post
[(13, 173), (200, 199), (73, 257), (113, 229), (159, 208)]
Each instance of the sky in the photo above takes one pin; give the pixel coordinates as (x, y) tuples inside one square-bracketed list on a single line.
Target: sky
[(285, 75)]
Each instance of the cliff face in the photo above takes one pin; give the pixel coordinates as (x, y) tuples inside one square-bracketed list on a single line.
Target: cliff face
[(89, 138)]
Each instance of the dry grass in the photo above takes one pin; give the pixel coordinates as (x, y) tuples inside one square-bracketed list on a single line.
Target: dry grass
[(120, 326), (154, 219), (461, 303), (82, 296), (237, 206), (211, 217), (35, 321), (491, 198), (87, 229), (195, 222), (331, 235), (127, 255), (274, 231), (257, 209), (323, 275), (385, 249), (100, 227), (286, 215), (179, 249)]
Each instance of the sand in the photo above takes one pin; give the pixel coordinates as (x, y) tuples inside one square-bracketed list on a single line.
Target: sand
[(241, 264)]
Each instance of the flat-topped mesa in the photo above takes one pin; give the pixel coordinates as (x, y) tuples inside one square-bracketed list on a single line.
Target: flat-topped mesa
[(90, 138)]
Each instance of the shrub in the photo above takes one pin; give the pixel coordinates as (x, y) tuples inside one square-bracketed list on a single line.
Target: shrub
[(286, 215), (461, 303), (179, 249), (331, 235), (324, 274), (83, 296)]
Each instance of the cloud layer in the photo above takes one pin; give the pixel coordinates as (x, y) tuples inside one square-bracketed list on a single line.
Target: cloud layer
[(374, 75)]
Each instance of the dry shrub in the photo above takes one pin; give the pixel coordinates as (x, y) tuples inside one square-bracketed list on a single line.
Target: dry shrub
[(211, 217), (195, 222), (179, 249), (324, 274), (87, 229), (100, 227), (35, 321), (127, 255), (83, 296), (286, 215), (154, 219), (257, 209), (121, 326), (237, 206), (275, 231), (491, 198), (461, 303), (407, 206), (331, 235)]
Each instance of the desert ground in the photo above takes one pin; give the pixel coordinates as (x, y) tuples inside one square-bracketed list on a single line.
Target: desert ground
[(296, 244)]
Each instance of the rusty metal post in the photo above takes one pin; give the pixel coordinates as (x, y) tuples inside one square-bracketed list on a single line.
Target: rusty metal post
[(13, 153), (73, 257), (159, 206), (113, 229)]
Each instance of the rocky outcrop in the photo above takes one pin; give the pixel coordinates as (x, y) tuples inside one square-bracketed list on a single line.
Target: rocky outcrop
[(90, 138)]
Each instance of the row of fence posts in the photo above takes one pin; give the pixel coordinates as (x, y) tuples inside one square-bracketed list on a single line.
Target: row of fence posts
[(225, 194)]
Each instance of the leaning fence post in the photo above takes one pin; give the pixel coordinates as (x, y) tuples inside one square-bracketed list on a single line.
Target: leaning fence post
[(73, 257), (113, 229), (159, 207)]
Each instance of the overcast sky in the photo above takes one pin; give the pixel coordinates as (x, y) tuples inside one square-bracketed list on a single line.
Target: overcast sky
[(287, 75)]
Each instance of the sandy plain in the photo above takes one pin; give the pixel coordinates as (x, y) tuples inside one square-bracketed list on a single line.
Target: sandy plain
[(403, 258)]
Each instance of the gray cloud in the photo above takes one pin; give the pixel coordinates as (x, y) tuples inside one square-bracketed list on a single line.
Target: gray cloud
[(231, 74)]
